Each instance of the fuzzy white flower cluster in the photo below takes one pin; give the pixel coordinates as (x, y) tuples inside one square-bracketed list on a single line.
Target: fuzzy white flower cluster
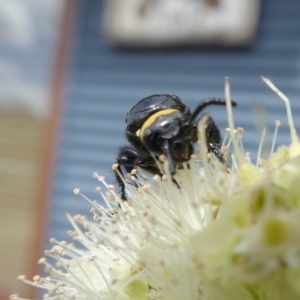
[(225, 234)]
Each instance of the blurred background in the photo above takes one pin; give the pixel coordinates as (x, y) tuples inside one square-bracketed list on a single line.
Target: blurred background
[(70, 71), (29, 32)]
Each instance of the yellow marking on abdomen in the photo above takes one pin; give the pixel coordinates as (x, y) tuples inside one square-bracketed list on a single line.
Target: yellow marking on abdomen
[(153, 118)]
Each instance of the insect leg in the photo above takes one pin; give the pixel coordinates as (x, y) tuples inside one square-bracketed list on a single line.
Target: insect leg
[(130, 158), (214, 140)]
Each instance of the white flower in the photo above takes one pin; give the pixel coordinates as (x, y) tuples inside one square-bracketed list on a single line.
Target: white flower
[(225, 234)]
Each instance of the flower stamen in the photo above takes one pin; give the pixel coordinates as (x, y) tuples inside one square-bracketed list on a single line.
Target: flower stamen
[(285, 99)]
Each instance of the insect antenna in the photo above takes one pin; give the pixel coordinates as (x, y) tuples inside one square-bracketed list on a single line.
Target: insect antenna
[(207, 102)]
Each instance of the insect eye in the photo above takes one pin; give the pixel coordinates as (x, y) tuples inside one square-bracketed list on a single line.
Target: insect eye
[(178, 146)]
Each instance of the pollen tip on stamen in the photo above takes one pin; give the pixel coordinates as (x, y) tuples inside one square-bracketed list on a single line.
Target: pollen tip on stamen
[(156, 178), (193, 156), (76, 191), (114, 167), (113, 211), (277, 123), (224, 149), (21, 277), (240, 131), (111, 187), (225, 168), (63, 243), (52, 240), (42, 260), (48, 269), (98, 189), (13, 297), (147, 186), (162, 158), (133, 172)]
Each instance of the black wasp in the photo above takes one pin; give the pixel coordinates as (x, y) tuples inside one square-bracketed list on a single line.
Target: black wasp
[(162, 124)]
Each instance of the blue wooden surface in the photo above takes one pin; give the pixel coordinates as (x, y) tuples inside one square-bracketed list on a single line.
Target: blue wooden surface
[(104, 83)]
